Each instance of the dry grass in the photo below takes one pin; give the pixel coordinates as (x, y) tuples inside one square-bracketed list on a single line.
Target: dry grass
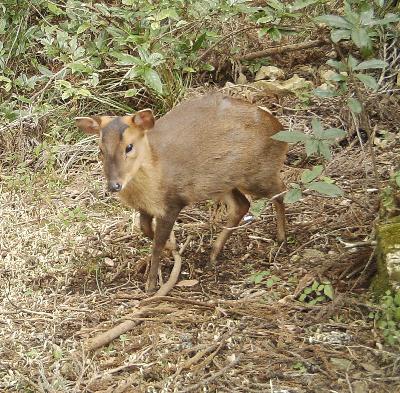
[(69, 270)]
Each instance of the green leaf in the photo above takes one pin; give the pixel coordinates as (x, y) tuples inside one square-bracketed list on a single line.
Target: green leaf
[(54, 9), (311, 147), (324, 93), (328, 291), (317, 127), (274, 34), (207, 67), (44, 70), (352, 62), (300, 4), (337, 77), (389, 18), (291, 136), (354, 105), (325, 188), (167, 13), (314, 285), (339, 65), (293, 195), (126, 59), (368, 64), (361, 38), (197, 44), (334, 21), (153, 80), (83, 27), (333, 133), (130, 93), (338, 35), (257, 207), (324, 150), (265, 19), (302, 297), (397, 179), (367, 80), (309, 175)]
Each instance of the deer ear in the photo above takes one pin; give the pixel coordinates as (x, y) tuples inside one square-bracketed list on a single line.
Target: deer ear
[(89, 125), (144, 119)]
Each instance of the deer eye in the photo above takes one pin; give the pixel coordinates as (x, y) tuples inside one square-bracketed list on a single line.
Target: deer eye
[(129, 148)]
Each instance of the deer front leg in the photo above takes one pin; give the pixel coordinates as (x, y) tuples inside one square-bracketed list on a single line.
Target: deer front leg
[(163, 230), (146, 224)]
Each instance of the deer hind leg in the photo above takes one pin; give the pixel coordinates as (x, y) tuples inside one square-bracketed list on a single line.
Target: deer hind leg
[(238, 206), (276, 188)]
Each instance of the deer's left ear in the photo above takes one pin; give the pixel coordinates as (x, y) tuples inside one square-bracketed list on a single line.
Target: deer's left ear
[(144, 119), (90, 125)]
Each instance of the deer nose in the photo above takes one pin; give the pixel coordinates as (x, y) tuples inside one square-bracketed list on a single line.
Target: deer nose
[(114, 187)]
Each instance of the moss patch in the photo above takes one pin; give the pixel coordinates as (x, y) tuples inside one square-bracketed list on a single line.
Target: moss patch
[(388, 256)]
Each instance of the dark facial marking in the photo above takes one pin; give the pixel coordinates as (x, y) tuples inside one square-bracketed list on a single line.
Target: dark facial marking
[(115, 125)]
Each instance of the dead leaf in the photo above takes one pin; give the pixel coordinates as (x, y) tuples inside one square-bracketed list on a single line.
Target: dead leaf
[(187, 283)]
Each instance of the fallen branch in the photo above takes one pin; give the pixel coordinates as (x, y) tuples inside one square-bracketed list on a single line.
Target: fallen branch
[(282, 49), (111, 334)]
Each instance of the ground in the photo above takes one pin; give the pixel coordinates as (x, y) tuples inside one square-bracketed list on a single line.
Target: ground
[(73, 265)]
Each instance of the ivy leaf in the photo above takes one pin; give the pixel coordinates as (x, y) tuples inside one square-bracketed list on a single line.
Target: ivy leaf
[(354, 105), (293, 195), (368, 64), (367, 80), (325, 188), (153, 80), (334, 21), (291, 136), (309, 175)]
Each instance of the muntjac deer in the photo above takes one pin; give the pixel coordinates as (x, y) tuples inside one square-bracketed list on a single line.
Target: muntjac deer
[(213, 147)]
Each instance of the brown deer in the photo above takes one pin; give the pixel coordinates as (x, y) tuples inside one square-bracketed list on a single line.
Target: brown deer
[(214, 147)]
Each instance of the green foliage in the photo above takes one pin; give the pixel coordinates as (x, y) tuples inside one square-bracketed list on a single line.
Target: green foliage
[(388, 318), (316, 143), (317, 293), (358, 24), (397, 178), (265, 278)]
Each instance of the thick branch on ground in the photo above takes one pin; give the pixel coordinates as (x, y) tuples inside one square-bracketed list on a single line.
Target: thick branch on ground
[(111, 334), (282, 49)]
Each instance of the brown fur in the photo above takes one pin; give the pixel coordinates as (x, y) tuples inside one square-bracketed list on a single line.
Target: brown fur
[(213, 147)]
